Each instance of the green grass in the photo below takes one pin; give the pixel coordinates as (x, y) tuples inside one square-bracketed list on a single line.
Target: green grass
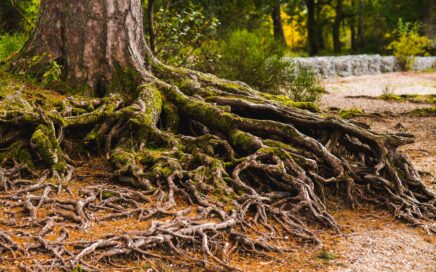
[(326, 255)]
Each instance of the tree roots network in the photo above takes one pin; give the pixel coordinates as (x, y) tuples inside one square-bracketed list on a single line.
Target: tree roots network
[(205, 167)]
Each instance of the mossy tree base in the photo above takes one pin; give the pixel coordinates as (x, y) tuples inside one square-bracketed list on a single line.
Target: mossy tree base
[(242, 158)]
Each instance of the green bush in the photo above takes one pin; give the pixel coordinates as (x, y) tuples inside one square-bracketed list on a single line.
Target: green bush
[(10, 44), (409, 44), (180, 32), (257, 61)]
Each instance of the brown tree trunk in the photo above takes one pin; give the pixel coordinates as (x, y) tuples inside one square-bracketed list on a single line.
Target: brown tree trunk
[(311, 27), (93, 41), (279, 34), (360, 29), (150, 25), (337, 27)]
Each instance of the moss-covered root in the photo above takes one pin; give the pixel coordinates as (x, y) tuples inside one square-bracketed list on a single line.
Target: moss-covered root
[(47, 146), (129, 170)]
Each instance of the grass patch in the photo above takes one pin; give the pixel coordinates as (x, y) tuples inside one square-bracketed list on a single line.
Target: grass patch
[(326, 255), (424, 112), (414, 98), (351, 113)]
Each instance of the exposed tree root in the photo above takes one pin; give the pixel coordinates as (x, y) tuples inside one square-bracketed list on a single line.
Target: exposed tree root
[(216, 167)]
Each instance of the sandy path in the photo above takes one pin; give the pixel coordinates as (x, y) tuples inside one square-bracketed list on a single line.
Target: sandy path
[(376, 85)]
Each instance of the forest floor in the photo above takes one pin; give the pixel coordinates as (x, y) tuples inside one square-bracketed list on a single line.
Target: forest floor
[(371, 239)]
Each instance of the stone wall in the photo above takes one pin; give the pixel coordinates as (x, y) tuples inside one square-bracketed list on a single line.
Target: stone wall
[(355, 65)]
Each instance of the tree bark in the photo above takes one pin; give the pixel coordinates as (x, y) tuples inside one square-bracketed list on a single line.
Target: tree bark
[(429, 20), (360, 28), (95, 42), (311, 27), (277, 23), (150, 25), (337, 27)]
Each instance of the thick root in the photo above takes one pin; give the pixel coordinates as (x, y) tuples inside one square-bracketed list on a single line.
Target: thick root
[(217, 168)]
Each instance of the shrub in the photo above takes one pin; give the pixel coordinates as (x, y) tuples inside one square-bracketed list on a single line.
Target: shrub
[(10, 44), (181, 29), (258, 62), (409, 44), (242, 57)]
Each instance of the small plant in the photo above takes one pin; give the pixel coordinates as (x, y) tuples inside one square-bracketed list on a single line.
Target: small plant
[(304, 85), (326, 255), (11, 43), (78, 268), (53, 73), (387, 90), (409, 44)]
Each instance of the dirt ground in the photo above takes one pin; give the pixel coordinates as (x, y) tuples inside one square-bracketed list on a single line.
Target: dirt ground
[(371, 239), (389, 245)]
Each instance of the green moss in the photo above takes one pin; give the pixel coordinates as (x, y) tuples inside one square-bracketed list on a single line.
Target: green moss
[(171, 116), (351, 113), (121, 157), (424, 112), (92, 135), (289, 102), (390, 96), (47, 146), (106, 195), (244, 140), (166, 171), (43, 144), (414, 98), (18, 151)]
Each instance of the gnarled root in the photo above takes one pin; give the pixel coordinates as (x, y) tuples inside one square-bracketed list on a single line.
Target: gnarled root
[(217, 167)]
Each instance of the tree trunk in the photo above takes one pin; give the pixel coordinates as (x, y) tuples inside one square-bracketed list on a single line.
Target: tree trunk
[(311, 27), (360, 29), (337, 27), (215, 165), (96, 42), (277, 23), (429, 20), (150, 26)]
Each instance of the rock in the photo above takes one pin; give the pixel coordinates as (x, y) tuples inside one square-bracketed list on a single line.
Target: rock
[(343, 66)]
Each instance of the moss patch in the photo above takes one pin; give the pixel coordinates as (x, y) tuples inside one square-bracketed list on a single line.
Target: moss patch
[(424, 112), (351, 113)]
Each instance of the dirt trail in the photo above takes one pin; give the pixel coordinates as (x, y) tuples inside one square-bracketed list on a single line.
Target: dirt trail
[(389, 245), (375, 85)]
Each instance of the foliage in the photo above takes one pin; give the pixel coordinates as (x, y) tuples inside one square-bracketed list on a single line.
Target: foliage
[(53, 72), (258, 62), (180, 31), (11, 43), (304, 85), (409, 43), (30, 11), (243, 57)]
